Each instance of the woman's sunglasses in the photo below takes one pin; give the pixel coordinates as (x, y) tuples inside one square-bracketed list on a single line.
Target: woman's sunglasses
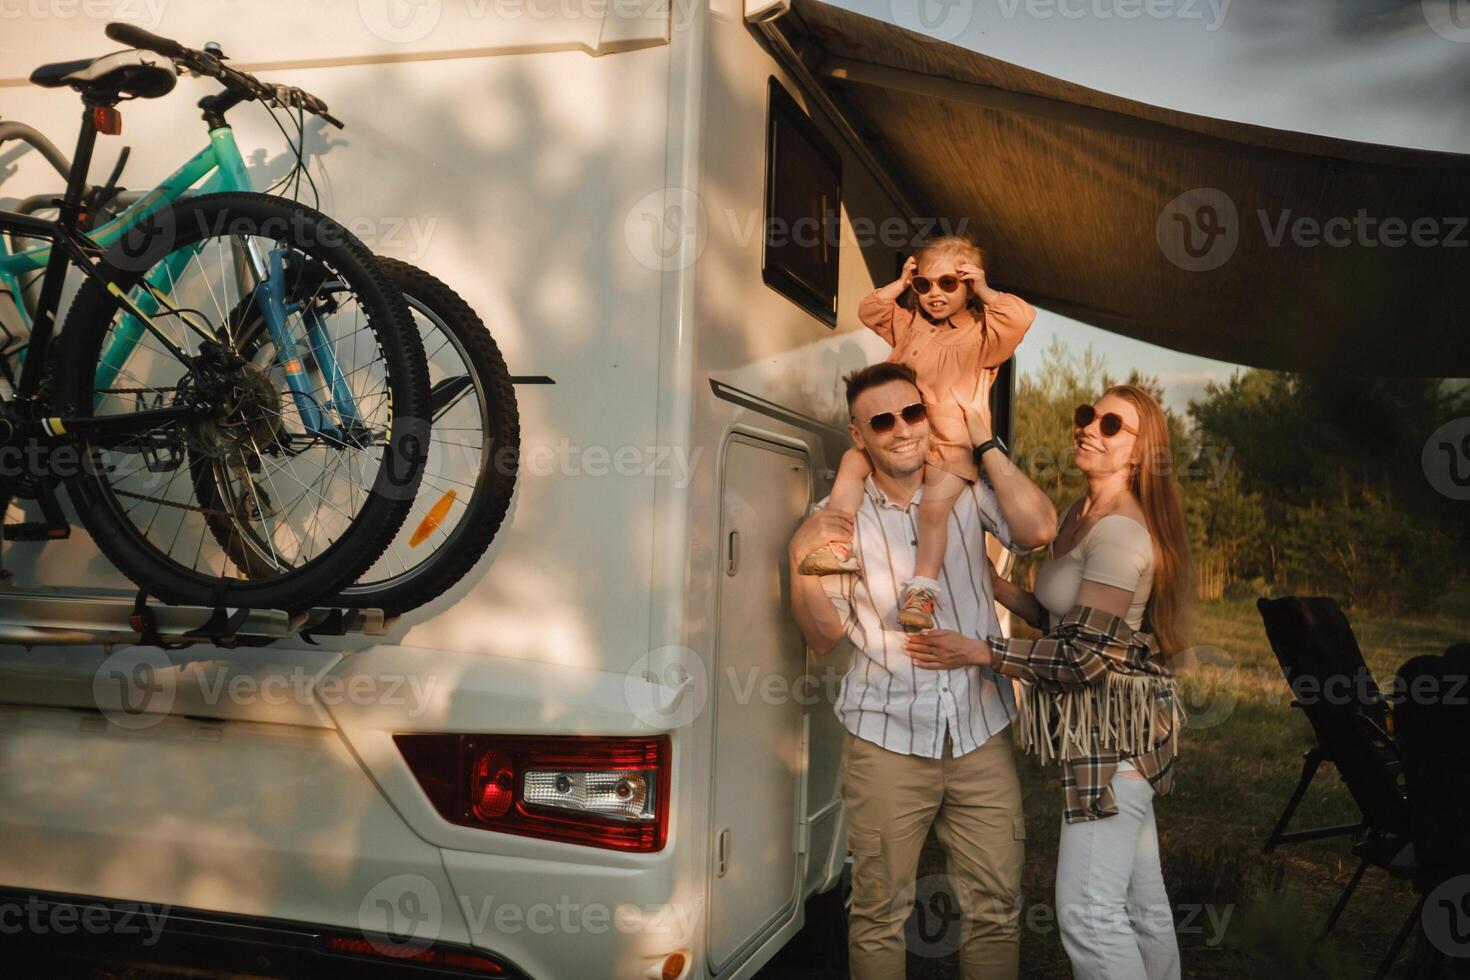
[(885, 421), (948, 284), (1110, 425)]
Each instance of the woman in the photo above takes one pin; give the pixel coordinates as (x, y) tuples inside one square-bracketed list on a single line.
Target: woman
[(1096, 690)]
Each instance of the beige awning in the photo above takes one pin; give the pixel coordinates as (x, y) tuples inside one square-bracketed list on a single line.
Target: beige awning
[(1253, 245)]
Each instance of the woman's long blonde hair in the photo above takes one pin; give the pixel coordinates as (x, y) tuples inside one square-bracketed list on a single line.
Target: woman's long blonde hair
[(1170, 602)]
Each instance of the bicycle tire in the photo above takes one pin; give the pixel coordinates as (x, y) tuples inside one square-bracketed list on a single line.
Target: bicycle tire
[(390, 497), (485, 511)]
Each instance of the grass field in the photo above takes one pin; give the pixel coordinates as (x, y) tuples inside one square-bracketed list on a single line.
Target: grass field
[(1239, 913)]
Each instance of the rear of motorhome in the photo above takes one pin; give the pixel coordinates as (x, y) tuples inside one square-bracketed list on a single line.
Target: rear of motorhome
[(667, 226)]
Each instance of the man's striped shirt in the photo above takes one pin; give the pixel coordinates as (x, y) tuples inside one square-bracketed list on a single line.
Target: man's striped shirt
[(884, 697)]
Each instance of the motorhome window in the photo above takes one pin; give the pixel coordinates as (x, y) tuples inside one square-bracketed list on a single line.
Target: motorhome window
[(802, 208)]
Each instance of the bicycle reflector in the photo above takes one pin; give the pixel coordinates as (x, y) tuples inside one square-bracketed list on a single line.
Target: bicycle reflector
[(600, 791), (106, 120)]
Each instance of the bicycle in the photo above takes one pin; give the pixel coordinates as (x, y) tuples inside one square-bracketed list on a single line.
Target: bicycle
[(474, 436), (146, 380)]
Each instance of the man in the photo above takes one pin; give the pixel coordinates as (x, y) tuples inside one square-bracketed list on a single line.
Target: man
[(928, 738)]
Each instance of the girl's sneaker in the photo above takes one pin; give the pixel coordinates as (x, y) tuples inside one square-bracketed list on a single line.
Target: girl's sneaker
[(917, 608), (826, 561)]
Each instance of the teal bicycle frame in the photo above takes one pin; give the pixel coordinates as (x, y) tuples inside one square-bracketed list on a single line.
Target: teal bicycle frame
[(221, 167)]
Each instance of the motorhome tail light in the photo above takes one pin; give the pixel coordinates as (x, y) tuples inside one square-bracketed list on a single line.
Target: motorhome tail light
[(601, 791)]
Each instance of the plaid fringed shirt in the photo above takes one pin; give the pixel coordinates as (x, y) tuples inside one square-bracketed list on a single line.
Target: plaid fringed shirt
[(1094, 691)]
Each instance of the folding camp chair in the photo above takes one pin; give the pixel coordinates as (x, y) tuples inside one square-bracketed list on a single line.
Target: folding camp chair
[(1432, 722), (1333, 687)]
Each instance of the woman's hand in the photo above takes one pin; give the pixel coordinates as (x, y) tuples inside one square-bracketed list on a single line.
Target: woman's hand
[(976, 407), (943, 649)]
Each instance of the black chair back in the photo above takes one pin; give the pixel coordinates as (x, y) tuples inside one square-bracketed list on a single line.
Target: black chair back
[(1432, 722), (1330, 681)]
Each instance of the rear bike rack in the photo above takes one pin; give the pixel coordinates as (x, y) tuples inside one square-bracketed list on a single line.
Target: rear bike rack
[(35, 616)]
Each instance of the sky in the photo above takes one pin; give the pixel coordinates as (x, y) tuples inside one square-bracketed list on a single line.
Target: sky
[(1183, 376)]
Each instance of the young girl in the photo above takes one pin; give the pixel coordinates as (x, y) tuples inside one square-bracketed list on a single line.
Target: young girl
[(962, 329)]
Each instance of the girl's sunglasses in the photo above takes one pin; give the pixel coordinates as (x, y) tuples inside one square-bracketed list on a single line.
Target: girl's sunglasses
[(1110, 425), (885, 421), (948, 284)]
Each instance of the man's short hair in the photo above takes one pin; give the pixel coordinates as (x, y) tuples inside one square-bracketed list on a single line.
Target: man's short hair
[(874, 375)]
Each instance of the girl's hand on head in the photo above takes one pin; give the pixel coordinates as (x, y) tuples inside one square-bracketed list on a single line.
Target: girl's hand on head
[(910, 269), (975, 276)]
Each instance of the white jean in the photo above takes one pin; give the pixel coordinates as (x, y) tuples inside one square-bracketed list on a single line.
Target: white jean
[(1115, 917)]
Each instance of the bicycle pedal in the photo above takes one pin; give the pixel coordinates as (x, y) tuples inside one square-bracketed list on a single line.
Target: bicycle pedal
[(37, 531)]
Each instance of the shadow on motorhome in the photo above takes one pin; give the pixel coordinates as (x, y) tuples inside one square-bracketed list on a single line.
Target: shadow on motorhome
[(444, 600)]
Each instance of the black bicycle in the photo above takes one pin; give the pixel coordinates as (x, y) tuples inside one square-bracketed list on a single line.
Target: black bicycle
[(180, 444)]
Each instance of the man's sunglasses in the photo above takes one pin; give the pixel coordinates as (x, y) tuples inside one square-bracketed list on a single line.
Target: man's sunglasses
[(885, 421), (1110, 425), (948, 284)]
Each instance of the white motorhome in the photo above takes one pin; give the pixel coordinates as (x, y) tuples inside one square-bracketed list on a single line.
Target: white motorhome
[(667, 215)]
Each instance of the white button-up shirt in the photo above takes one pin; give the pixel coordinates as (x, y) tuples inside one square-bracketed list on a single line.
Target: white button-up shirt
[(884, 697)]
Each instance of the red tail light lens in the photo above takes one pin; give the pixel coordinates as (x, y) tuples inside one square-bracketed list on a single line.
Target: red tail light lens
[(601, 791)]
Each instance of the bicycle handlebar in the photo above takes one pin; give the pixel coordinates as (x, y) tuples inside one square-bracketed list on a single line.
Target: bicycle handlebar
[(205, 63)]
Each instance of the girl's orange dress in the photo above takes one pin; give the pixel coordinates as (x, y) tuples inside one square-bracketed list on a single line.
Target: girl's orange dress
[(949, 356)]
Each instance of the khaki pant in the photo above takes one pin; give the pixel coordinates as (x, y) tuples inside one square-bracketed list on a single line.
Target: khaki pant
[(974, 803)]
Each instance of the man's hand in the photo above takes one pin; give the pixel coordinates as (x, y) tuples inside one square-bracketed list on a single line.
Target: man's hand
[(943, 649), (820, 527), (976, 407)]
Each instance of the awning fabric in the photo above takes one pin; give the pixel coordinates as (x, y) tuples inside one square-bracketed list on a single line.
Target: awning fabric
[(1258, 246)]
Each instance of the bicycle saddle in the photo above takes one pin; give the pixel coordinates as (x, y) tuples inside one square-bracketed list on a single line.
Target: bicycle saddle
[(123, 74)]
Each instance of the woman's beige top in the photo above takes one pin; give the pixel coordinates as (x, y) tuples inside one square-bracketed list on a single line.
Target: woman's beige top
[(948, 357)]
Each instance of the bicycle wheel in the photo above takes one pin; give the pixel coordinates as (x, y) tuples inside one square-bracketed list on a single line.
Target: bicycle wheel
[(316, 454), (474, 444)]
